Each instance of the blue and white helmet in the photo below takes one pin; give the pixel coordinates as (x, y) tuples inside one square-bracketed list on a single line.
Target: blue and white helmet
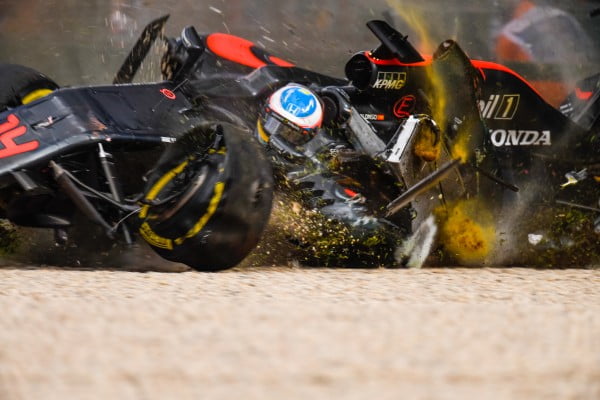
[(293, 113)]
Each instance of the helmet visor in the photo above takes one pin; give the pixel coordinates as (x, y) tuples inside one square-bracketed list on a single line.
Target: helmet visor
[(293, 135)]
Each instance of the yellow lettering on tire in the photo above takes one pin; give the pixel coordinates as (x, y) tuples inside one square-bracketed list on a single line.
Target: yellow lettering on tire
[(154, 239), (212, 207), (158, 186)]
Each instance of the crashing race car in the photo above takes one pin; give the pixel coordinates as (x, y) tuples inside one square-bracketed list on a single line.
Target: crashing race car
[(406, 155), (131, 158)]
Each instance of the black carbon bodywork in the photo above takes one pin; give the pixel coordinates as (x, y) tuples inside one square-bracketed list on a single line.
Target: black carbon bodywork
[(69, 120)]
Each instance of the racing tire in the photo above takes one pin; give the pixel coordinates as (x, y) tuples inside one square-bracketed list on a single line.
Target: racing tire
[(222, 200), (21, 85)]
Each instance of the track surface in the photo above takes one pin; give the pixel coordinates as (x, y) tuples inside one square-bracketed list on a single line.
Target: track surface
[(287, 333)]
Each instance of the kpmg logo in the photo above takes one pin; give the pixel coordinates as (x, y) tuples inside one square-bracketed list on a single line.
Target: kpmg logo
[(390, 80)]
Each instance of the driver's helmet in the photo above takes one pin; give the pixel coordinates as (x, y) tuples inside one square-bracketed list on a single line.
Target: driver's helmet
[(291, 117)]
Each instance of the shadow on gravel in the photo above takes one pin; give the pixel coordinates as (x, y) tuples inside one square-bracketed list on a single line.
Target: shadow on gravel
[(38, 250)]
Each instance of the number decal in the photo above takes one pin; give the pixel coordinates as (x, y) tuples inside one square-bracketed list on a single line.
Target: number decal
[(9, 131), (509, 103), (508, 106)]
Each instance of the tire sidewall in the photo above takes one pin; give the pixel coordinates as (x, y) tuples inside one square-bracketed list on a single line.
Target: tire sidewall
[(236, 213)]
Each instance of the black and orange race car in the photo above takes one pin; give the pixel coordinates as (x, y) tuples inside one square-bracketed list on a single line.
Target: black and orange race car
[(381, 157)]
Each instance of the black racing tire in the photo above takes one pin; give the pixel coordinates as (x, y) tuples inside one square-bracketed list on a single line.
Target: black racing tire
[(222, 201), (21, 85)]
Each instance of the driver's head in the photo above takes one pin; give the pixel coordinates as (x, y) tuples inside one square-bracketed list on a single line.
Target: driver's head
[(291, 117)]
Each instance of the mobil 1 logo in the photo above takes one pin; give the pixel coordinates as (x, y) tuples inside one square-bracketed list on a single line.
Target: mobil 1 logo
[(500, 106)]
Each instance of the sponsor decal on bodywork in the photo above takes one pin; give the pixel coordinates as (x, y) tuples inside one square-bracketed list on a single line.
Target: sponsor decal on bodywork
[(404, 107), (513, 137), (500, 106), (168, 94), (390, 80), (373, 117), (9, 131)]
